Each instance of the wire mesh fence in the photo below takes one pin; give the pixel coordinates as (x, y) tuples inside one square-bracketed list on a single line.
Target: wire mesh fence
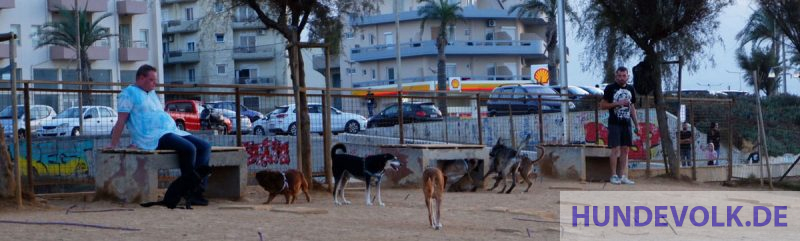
[(64, 139)]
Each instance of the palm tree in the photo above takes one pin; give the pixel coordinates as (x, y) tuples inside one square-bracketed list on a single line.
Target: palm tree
[(447, 14), (604, 41), (760, 27), (759, 61), (61, 32), (534, 8)]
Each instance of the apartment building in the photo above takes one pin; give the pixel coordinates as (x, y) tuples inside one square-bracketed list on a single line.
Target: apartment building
[(210, 42), (135, 23), (489, 47)]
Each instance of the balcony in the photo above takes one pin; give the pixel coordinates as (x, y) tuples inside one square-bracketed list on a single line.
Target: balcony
[(93, 53), (319, 63), (90, 5), (5, 4), (178, 26), (4, 51), (524, 48), (254, 52), (131, 7), (409, 80), (256, 81), (246, 22), (133, 51), (470, 13), (182, 57), (176, 1)]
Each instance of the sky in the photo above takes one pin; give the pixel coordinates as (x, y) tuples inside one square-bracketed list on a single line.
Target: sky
[(708, 76)]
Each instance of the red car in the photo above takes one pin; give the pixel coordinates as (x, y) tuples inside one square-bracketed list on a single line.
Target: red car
[(186, 113)]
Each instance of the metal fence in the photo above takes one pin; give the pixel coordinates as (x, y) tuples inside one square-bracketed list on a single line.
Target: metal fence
[(62, 151)]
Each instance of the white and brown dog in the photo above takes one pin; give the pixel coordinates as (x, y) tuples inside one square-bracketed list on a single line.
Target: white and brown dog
[(433, 189)]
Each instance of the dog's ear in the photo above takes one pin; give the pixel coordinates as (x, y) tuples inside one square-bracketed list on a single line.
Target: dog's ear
[(499, 141)]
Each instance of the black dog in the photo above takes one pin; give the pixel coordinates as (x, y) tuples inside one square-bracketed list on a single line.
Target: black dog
[(182, 187), (365, 169)]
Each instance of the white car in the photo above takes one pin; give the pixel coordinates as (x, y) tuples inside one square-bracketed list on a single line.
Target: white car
[(97, 120), (282, 120), (39, 113)]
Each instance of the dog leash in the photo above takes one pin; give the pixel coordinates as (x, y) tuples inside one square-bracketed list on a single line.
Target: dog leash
[(285, 183)]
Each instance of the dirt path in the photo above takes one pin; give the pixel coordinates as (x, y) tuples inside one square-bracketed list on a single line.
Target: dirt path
[(466, 216)]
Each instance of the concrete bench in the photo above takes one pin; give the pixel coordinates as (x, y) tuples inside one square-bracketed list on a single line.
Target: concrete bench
[(131, 175), (579, 162), (417, 157)]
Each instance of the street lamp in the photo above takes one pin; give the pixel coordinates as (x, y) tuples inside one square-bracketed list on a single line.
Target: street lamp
[(740, 77)]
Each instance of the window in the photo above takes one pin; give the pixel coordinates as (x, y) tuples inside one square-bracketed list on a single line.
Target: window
[(489, 34), (450, 70), (247, 44), (144, 36), (219, 7), (104, 112), (392, 110), (17, 30), (189, 14), (451, 33), (519, 93), (92, 113), (388, 38), (190, 76), (390, 73), (348, 35), (314, 109), (34, 34), (220, 37), (467, 31), (190, 47), (221, 69), (364, 72), (374, 74), (371, 39)]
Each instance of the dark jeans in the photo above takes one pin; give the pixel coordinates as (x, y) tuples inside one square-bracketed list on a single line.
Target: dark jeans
[(686, 157), (192, 152)]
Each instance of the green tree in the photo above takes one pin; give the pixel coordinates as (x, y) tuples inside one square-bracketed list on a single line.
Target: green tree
[(665, 30), (548, 8), (604, 41), (290, 19), (760, 61), (786, 14), (447, 14), (61, 32)]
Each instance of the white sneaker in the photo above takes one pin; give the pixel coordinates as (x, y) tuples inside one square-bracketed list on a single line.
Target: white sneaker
[(625, 180), (615, 180)]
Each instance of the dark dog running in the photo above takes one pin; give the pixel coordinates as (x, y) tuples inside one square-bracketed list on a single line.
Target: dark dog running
[(289, 183), (181, 188), (366, 169), (504, 159)]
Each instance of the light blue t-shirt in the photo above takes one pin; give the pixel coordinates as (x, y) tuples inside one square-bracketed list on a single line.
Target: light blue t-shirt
[(147, 120)]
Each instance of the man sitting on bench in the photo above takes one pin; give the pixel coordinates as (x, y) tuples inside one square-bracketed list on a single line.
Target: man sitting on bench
[(152, 128)]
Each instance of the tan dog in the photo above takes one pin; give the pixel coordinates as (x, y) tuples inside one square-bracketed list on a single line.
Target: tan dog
[(433, 188), (525, 166), (288, 183)]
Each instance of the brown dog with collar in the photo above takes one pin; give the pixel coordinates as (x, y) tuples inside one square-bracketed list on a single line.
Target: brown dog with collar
[(433, 182), (289, 183)]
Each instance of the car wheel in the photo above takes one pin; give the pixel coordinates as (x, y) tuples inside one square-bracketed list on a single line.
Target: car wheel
[(180, 125), (76, 132), (292, 129), (352, 127), (259, 131)]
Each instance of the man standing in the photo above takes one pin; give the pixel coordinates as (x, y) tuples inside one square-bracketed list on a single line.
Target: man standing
[(150, 127), (370, 103), (619, 99)]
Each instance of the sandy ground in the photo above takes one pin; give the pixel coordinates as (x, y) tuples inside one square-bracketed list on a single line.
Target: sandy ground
[(466, 216)]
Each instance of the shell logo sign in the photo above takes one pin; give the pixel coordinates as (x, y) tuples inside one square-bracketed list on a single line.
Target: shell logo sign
[(454, 84), (540, 74)]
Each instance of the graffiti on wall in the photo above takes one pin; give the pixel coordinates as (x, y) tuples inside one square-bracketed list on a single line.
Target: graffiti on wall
[(593, 130), (57, 158), (269, 151)]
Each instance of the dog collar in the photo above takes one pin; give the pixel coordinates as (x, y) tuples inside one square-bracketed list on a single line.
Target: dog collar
[(285, 183)]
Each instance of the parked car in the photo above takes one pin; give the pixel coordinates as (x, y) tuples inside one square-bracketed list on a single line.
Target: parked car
[(97, 120), (574, 92), (593, 90), (283, 120), (39, 113), (413, 112), (186, 113), (230, 105), (523, 99), (734, 93), (224, 120)]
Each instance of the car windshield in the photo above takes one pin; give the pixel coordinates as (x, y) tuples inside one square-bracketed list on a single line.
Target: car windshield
[(70, 113), (7, 112), (429, 108), (573, 90)]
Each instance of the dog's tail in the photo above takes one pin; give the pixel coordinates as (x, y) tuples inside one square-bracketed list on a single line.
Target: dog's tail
[(540, 151), (338, 146)]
